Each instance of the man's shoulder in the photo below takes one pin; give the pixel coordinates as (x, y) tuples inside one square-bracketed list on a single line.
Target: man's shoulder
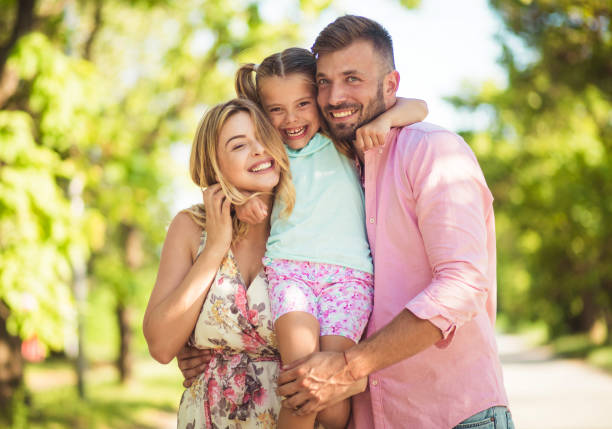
[(423, 128), (424, 141)]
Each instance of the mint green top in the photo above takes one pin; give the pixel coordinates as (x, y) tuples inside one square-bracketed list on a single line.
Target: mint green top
[(327, 224)]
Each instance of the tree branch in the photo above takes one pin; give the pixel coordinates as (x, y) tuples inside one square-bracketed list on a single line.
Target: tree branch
[(94, 32), (23, 24)]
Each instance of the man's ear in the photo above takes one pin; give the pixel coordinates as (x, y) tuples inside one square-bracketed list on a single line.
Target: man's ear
[(390, 87), (391, 83)]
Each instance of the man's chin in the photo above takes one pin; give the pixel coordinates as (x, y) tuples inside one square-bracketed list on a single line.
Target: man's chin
[(343, 132)]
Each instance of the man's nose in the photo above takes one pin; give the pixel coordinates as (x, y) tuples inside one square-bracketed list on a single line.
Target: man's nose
[(337, 94)]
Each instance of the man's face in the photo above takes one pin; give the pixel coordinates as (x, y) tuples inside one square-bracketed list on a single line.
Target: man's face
[(351, 85)]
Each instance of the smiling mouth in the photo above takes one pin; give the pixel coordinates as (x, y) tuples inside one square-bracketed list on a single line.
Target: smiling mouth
[(261, 167), (295, 132), (339, 114)]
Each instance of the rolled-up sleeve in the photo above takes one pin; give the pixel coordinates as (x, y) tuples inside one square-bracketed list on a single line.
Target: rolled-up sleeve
[(452, 205)]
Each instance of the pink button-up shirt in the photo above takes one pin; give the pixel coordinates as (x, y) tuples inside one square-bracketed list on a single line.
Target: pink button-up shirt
[(430, 224)]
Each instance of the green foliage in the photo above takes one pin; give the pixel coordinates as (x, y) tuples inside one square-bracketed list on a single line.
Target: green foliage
[(547, 157), (102, 92)]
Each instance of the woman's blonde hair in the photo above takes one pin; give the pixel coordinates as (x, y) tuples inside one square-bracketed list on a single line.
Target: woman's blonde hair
[(283, 64), (204, 165)]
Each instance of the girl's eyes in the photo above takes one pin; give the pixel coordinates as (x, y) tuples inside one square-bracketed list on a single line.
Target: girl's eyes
[(303, 103), (274, 110), (238, 147)]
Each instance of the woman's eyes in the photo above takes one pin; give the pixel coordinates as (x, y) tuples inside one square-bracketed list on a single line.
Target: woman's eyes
[(238, 146), (303, 103)]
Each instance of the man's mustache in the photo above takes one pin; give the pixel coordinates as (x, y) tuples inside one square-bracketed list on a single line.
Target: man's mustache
[(342, 106)]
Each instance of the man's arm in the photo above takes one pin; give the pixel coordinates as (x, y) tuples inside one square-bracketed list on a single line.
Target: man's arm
[(322, 379)]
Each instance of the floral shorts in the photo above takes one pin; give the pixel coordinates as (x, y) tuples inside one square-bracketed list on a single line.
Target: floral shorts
[(340, 298)]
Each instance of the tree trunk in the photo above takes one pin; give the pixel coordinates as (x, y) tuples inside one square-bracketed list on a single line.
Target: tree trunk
[(124, 360), (11, 364)]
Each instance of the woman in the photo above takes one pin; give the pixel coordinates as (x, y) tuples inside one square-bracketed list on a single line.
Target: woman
[(211, 277)]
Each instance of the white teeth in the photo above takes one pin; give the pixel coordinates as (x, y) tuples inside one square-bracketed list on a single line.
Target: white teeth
[(343, 114), (295, 131), (262, 166)]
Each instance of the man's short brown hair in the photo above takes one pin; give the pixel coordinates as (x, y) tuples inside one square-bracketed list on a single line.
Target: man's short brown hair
[(349, 28)]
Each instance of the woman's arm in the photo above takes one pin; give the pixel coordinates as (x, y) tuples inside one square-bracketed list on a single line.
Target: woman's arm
[(405, 111), (182, 284)]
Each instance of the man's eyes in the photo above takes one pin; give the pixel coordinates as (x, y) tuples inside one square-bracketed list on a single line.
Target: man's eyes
[(352, 79), (303, 103), (322, 82)]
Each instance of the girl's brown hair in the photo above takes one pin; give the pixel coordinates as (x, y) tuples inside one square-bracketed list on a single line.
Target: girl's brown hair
[(282, 64), (204, 166)]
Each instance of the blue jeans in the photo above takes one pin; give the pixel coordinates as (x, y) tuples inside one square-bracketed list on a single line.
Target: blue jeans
[(491, 418)]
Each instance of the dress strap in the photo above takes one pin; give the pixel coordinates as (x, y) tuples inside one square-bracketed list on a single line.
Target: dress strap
[(202, 241)]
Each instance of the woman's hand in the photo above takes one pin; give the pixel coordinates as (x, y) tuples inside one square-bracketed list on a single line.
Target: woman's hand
[(218, 220), (254, 211), (372, 134)]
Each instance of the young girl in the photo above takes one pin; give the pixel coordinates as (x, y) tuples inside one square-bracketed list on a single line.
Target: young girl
[(317, 260)]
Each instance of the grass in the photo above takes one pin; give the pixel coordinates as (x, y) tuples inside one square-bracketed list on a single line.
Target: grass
[(149, 400), (580, 346)]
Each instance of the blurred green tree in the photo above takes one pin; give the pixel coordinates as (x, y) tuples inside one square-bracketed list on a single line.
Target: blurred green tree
[(93, 95), (547, 157)]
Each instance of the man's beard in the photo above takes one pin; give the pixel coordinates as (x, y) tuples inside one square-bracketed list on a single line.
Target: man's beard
[(373, 109)]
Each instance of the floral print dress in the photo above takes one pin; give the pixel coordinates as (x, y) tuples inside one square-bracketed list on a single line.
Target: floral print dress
[(237, 391)]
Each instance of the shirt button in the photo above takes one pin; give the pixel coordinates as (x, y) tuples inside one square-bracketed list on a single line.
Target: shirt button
[(371, 220), (374, 382)]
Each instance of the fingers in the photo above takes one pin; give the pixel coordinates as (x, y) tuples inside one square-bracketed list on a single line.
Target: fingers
[(188, 352), (188, 382), (186, 363), (367, 138)]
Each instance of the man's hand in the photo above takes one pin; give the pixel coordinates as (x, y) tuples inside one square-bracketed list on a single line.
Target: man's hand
[(192, 362), (315, 382), (254, 211)]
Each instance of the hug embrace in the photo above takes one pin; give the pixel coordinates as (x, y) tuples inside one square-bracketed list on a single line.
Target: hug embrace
[(341, 271)]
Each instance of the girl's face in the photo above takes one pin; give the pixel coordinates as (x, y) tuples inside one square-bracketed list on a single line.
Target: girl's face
[(242, 159), (290, 103)]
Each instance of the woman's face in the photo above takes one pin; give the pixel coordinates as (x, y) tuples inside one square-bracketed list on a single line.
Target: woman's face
[(290, 103), (242, 159)]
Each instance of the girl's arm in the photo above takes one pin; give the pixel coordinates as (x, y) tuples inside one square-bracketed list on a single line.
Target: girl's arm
[(182, 284), (405, 111)]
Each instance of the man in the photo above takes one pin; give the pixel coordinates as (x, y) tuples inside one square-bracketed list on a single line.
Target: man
[(430, 350)]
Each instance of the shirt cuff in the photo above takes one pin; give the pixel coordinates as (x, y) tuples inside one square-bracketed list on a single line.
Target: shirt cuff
[(424, 308)]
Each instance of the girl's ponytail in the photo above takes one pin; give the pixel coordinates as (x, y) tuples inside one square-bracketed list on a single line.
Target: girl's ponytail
[(245, 82)]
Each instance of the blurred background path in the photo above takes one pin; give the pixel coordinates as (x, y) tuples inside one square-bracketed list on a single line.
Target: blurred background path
[(545, 392)]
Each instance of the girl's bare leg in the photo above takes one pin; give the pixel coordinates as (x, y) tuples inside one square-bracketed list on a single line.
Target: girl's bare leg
[(297, 333), (337, 415)]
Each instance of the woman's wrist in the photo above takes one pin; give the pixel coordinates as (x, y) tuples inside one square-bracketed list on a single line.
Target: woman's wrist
[(215, 252)]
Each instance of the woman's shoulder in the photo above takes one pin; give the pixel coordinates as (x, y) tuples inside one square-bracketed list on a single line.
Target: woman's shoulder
[(186, 227)]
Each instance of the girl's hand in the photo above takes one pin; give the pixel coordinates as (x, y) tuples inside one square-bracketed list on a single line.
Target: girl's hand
[(218, 220), (372, 134), (254, 211)]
